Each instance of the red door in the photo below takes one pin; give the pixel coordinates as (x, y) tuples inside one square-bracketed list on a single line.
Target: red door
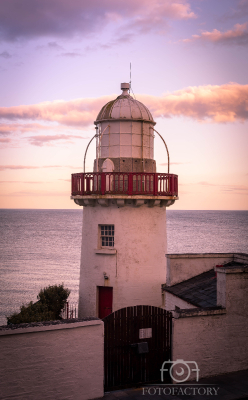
[(105, 301)]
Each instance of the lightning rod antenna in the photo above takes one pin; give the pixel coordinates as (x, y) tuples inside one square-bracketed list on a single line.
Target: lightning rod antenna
[(130, 77)]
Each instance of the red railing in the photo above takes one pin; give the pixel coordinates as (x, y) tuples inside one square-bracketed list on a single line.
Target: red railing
[(128, 183)]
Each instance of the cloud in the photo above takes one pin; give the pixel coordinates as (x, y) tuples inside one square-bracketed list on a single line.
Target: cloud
[(31, 182), (37, 193), (50, 46), (5, 54), (79, 112), (174, 163), (54, 45), (240, 11), (240, 189), (5, 140), (44, 139), (71, 55), (17, 167), (17, 128), (236, 36), (219, 104), (155, 16), (225, 103), (235, 188), (203, 183), (30, 19)]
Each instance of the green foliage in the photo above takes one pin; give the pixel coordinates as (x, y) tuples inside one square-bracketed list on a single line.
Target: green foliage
[(54, 298), (51, 300)]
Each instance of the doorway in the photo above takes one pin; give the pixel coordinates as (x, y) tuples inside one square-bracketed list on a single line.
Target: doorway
[(105, 301)]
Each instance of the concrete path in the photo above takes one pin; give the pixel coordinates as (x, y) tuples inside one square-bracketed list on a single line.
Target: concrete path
[(232, 386)]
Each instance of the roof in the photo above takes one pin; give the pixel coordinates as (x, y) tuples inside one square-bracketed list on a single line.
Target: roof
[(201, 290), (125, 107)]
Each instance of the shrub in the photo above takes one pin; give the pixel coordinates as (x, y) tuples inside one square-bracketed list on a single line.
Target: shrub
[(51, 301), (54, 298)]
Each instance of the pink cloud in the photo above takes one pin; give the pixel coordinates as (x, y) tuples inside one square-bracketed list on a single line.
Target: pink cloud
[(6, 129), (5, 140), (36, 193), (225, 103), (236, 36), (156, 14), (29, 182), (45, 139), (241, 189), (17, 167), (174, 163), (79, 112), (62, 18)]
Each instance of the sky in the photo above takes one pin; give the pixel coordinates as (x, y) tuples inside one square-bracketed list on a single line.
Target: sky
[(61, 61)]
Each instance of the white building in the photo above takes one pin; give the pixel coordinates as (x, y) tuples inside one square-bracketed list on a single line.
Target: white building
[(123, 258)]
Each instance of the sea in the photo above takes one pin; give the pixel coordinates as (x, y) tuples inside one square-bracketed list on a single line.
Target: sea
[(39, 248)]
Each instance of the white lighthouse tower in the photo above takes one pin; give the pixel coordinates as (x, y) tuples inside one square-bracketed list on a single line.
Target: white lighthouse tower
[(123, 259)]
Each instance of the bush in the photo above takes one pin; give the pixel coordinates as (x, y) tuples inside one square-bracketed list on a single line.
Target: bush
[(54, 298), (51, 301)]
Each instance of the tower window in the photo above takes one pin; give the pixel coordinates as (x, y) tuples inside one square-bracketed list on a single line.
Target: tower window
[(107, 235)]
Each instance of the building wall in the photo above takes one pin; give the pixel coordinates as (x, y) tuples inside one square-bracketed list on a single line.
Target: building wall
[(172, 301), (136, 268), (52, 362), (217, 340), (185, 266)]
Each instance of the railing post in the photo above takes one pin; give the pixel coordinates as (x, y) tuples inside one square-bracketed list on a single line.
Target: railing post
[(172, 185), (130, 184), (72, 184), (176, 180), (87, 183), (155, 193), (103, 183), (81, 180)]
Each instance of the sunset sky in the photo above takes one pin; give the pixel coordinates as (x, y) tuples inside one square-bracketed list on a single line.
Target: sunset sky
[(62, 60)]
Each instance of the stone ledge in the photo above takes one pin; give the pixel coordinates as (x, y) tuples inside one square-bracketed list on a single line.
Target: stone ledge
[(200, 255), (199, 312), (231, 269), (14, 329), (105, 251), (123, 201)]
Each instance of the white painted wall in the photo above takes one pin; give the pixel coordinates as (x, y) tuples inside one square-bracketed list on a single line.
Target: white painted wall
[(185, 266), (216, 340), (172, 301), (53, 362), (137, 268)]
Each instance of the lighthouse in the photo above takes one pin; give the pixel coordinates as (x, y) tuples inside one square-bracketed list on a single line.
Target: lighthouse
[(124, 243)]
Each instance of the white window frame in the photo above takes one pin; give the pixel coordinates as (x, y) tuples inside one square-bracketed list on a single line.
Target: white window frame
[(106, 236)]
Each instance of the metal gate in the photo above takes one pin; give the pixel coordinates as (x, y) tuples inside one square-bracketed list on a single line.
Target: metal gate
[(137, 342)]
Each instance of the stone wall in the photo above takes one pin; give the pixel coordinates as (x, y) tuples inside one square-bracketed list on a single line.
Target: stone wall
[(181, 267), (52, 361), (216, 339), (172, 301)]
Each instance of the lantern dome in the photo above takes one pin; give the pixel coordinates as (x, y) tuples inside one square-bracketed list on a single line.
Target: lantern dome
[(125, 107)]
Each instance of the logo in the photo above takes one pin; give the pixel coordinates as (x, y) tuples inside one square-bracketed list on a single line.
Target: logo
[(179, 370)]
